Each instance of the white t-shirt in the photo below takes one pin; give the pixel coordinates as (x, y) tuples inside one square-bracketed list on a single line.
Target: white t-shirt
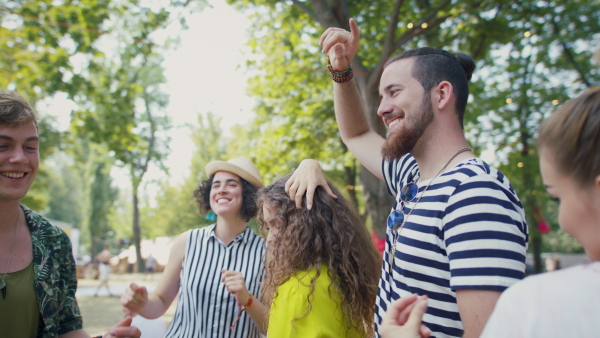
[(150, 328), (562, 303)]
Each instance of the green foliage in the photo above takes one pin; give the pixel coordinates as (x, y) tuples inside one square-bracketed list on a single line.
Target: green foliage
[(295, 113), (102, 196), (67, 191), (176, 210), (38, 39)]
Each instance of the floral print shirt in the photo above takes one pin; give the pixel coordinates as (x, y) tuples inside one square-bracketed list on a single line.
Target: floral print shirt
[(55, 277)]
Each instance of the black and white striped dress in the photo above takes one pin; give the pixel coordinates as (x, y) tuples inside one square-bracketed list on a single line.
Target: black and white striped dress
[(205, 308)]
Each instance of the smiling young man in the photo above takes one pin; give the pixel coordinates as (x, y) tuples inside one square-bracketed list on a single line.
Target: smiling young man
[(457, 231), (37, 269)]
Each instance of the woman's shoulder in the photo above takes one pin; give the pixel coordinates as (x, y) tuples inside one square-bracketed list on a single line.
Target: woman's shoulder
[(544, 285), (305, 277)]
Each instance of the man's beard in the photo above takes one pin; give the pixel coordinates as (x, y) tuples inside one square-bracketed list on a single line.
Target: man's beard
[(402, 141)]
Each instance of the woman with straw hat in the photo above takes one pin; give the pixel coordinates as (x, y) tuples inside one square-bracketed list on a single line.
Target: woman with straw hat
[(200, 257)]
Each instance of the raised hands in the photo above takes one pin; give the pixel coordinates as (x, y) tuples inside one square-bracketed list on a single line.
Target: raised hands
[(236, 285), (341, 45), (403, 318), (305, 180), (135, 297)]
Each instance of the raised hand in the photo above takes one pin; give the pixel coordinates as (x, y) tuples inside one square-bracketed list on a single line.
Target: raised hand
[(135, 297), (340, 45)]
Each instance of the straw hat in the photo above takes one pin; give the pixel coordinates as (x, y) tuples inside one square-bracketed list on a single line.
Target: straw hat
[(240, 166)]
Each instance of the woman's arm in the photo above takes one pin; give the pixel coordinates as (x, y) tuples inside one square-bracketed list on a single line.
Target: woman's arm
[(236, 285), (152, 306)]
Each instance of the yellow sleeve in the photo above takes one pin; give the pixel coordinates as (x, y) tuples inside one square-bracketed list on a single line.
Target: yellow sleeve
[(324, 320)]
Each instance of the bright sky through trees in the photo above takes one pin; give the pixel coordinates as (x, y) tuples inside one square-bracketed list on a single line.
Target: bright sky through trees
[(205, 73)]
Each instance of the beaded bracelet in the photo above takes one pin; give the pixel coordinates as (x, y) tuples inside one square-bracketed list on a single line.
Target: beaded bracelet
[(340, 76)]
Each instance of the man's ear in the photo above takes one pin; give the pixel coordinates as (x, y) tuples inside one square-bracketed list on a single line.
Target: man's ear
[(444, 95)]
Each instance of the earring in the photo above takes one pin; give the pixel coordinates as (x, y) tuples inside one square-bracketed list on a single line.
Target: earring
[(211, 216)]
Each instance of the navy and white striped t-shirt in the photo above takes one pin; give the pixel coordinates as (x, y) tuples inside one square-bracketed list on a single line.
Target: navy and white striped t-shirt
[(205, 308), (468, 231)]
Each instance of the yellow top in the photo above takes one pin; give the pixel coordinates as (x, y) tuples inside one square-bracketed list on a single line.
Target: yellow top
[(325, 318)]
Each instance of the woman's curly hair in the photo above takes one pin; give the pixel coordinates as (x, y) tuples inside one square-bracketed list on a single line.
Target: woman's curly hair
[(249, 209), (331, 233)]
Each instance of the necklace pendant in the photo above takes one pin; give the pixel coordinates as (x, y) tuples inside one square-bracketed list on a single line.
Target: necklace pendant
[(2, 284), (3, 288)]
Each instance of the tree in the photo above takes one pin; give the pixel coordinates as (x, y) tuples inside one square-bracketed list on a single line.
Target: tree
[(39, 38), (66, 188), (101, 196), (287, 33), (176, 209), (549, 45)]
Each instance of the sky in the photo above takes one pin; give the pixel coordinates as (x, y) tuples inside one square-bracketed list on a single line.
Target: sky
[(205, 73)]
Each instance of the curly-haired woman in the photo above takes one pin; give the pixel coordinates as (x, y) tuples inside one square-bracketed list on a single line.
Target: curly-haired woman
[(321, 267)]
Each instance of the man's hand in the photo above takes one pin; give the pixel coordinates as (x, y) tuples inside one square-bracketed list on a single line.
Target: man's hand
[(403, 318), (124, 330), (135, 297), (340, 45), (236, 285), (306, 178)]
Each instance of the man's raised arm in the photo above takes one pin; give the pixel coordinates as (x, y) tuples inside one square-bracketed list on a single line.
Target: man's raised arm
[(341, 47)]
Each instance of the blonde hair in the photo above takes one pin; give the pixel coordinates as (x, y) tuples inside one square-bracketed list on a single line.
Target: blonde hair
[(15, 110), (572, 135)]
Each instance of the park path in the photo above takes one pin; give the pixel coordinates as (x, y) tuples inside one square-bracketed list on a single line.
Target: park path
[(102, 312)]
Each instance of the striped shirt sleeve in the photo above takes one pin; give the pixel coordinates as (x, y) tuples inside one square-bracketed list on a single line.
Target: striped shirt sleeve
[(485, 235)]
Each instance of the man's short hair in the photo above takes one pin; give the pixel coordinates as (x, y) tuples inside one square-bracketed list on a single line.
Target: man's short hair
[(15, 110), (433, 66)]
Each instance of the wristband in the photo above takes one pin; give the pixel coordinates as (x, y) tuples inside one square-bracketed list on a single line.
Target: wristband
[(249, 302), (241, 308)]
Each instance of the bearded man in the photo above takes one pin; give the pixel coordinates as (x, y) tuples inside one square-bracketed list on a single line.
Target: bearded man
[(457, 232)]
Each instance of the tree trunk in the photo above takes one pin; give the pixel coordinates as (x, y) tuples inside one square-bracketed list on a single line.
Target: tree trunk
[(137, 232), (378, 201)]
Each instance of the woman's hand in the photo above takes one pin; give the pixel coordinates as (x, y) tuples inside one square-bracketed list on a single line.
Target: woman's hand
[(236, 285), (135, 297), (403, 318)]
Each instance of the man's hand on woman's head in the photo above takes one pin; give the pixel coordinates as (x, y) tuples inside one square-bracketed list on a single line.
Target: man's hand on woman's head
[(305, 180)]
